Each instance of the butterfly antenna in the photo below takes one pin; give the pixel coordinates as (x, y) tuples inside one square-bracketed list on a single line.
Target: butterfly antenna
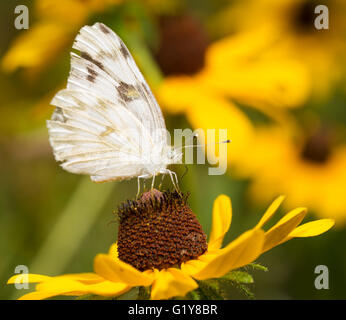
[(185, 172), (202, 145)]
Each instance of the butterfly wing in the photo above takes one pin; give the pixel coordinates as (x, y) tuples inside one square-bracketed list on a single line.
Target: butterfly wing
[(99, 45), (107, 117)]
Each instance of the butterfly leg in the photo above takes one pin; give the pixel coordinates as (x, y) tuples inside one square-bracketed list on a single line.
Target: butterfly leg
[(163, 176), (171, 173), (176, 180), (152, 183), (138, 187), (139, 184)]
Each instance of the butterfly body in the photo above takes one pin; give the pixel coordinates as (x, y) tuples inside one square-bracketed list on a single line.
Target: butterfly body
[(107, 123), (158, 161)]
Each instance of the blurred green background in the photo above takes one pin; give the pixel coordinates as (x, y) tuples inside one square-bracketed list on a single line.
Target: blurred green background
[(56, 222)]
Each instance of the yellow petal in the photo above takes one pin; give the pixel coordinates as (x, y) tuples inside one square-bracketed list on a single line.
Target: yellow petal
[(119, 271), (113, 251), (222, 218), (39, 295), (86, 278), (234, 65), (191, 267), (60, 285), (53, 287), (168, 97), (283, 228), (243, 250), (65, 11), (270, 211), (171, 283), (64, 286), (31, 278), (194, 266), (107, 288), (312, 229), (195, 99), (36, 47), (225, 115)]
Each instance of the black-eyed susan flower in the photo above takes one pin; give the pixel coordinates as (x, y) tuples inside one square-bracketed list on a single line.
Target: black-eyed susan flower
[(292, 23), (162, 248), (306, 166), (236, 69), (243, 67)]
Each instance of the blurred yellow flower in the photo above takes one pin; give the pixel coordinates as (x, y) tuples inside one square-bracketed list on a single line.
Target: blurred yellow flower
[(243, 68), (37, 47), (205, 110), (71, 11), (57, 23), (112, 277), (291, 23), (236, 69), (305, 167)]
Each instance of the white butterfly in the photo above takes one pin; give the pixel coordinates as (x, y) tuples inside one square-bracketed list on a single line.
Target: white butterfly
[(107, 123)]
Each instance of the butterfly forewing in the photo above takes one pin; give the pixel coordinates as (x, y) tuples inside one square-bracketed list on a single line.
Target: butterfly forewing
[(107, 117), (105, 50)]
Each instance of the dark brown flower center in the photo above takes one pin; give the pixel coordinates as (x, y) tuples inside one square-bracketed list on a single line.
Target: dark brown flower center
[(182, 45), (159, 231), (304, 16), (317, 147)]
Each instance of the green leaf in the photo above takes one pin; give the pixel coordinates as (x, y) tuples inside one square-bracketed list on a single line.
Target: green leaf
[(257, 266), (245, 289), (239, 277), (143, 293), (194, 295), (129, 295), (226, 285), (210, 290)]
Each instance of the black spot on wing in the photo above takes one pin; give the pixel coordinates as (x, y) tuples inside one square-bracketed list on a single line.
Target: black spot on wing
[(58, 115), (90, 78), (124, 50), (91, 71), (91, 74), (127, 92), (88, 57), (104, 29)]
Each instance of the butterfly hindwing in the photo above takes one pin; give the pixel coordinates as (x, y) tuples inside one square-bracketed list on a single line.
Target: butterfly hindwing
[(83, 137)]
